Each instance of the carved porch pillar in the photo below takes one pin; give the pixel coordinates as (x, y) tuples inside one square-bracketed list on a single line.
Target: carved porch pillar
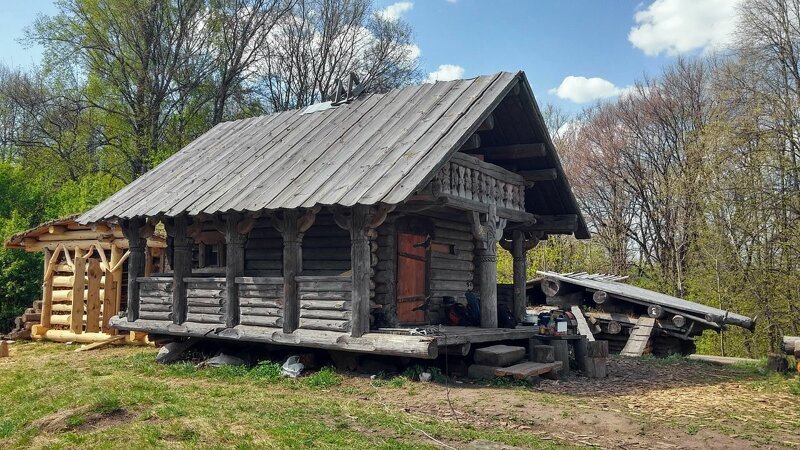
[(487, 234)]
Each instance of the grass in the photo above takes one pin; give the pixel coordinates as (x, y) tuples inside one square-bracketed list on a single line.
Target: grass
[(52, 397)]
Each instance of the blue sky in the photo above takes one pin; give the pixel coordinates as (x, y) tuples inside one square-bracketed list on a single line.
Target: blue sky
[(573, 51)]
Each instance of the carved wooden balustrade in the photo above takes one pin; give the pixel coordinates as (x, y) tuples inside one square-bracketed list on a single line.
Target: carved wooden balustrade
[(469, 178)]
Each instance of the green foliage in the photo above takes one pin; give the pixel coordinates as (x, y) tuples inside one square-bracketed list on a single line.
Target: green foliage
[(75, 197), (20, 272)]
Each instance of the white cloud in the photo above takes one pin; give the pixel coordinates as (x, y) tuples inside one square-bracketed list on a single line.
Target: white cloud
[(395, 10), (414, 51), (446, 72), (583, 90), (679, 26)]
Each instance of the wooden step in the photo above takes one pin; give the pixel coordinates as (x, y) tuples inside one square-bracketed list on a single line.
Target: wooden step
[(527, 369), (499, 355)]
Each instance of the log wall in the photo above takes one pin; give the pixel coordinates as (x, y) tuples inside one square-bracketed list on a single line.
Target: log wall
[(263, 251), (261, 301), (205, 297), (326, 248), (325, 302), (156, 298)]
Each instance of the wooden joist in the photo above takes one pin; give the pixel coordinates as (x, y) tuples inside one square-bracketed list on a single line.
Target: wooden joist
[(513, 152), (532, 176)]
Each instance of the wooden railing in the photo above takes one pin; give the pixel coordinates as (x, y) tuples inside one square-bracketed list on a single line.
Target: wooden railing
[(469, 178), (325, 302), (261, 301)]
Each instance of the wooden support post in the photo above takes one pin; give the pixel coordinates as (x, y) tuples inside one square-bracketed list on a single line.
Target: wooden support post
[(362, 222), (182, 266), (47, 290), (236, 231), (292, 225), (93, 296), (133, 232), (487, 233), (113, 289), (520, 275), (360, 257), (78, 285)]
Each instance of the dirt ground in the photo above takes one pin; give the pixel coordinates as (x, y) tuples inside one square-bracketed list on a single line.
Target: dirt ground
[(644, 403)]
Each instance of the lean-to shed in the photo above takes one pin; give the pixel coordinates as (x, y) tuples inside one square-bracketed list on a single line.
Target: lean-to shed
[(84, 274), (348, 224)]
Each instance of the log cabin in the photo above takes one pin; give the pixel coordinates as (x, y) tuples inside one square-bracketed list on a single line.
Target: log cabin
[(347, 224), (85, 270)]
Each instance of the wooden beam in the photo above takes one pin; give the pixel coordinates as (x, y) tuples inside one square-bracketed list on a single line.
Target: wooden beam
[(512, 152), (472, 143), (292, 225), (474, 205), (93, 298), (487, 124), (532, 176), (76, 316), (554, 224), (136, 243)]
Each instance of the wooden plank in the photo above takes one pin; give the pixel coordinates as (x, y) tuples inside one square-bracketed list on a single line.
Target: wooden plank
[(100, 344), (583, 327), (640, 336), (93, 299), (527, 369), (76, 316)]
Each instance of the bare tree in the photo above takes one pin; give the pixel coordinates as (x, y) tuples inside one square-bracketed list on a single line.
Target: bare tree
[(325, 40)]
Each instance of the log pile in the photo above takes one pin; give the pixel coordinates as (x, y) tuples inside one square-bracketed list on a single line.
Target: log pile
[(24, 323), (613, 311)]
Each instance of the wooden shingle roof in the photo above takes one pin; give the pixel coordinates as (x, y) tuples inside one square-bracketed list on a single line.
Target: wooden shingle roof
[(380, 148)]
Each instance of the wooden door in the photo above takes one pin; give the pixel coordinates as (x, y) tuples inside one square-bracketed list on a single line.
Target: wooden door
[(412, 283)]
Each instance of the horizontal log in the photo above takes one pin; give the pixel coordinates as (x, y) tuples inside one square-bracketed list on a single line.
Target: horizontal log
[(325, 304), (205, 293), (261, 321), (260, 280), (513, 152), (155, 300), (327, 295), (447, 285), (261, 311), (204, 318), (154, 307), (451, 275), (331, 278), (339, 266), (327, 314), (200, 301), (322, 324), (325, 286), (261, 303), (532, 176), (65, 295), (196, 309), (261, 293), (373, 343), (151, 315)]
